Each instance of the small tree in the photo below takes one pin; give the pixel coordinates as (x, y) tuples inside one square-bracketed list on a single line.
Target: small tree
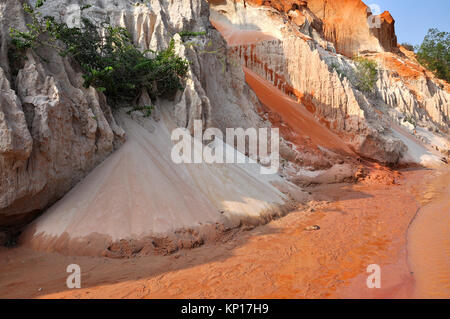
[(107, 56), (366, 74), (434, 53)]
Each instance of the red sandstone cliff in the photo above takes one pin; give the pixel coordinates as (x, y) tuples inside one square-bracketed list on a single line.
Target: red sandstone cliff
[(348, 24), (302, 59)]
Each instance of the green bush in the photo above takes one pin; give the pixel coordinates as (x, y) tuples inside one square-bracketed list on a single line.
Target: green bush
[(366, 74), (107, 56), (434, 53)]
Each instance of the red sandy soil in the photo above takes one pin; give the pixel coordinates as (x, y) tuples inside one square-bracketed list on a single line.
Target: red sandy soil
[(295, 114), (360, 225)]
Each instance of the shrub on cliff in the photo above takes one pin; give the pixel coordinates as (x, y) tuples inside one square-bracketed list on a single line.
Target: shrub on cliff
[(434, 53), (110, 61), (366, 74)]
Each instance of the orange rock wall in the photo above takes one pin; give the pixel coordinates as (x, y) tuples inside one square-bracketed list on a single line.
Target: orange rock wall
[(345, 23)]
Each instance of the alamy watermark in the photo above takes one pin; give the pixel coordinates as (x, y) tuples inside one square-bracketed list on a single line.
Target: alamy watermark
[(374, 279), (74, 279), (374, 20), (72, 15), (252, 145)]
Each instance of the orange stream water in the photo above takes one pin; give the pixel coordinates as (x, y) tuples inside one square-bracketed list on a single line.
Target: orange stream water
[(429, 239)]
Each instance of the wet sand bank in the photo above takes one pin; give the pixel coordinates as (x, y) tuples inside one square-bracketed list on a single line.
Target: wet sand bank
[(359, 225)]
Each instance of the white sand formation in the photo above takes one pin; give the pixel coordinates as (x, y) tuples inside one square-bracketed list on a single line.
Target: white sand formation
[(138, 192)]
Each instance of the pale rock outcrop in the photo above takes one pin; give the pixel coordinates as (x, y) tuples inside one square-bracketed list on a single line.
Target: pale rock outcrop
[(406, 86), (152, 25), (72, 129), (301, 68), (52, 130), (139, 197)]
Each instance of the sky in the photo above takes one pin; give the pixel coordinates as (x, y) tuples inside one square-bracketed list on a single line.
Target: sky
[(413, 18)]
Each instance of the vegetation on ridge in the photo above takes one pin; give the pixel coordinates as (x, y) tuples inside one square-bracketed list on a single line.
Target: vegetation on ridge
[(364, 76), (107, 56), (434, 53)]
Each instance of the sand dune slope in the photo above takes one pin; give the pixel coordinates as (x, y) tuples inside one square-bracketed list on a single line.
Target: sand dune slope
[(139, 192)]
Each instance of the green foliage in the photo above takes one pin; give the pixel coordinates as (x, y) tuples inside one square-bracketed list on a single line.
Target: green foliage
[(110, 61), (39, 3), (434, 53), (363, 77), (146, 109), (366, 74)]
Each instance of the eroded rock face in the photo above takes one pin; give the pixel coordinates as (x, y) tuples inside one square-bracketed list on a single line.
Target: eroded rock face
[(52, 130), (408, 87), (348, 24), (139, 200), (304, 64), (295, 64)]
